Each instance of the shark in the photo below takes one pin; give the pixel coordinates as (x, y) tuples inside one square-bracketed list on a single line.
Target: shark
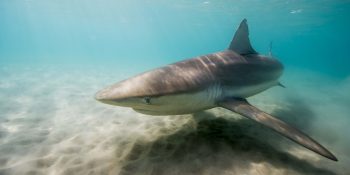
[(221, 79)]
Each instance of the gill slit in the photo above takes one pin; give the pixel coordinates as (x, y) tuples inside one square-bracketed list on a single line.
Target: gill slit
[(215, 92)]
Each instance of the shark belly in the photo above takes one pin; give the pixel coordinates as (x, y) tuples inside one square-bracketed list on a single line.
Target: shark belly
[(191, 102), (184, 103), (247, 90)]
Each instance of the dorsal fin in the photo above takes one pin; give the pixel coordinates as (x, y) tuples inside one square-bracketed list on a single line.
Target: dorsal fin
[(270, 49), (240, 42)]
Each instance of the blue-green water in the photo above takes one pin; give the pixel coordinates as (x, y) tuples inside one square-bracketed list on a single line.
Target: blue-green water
[(54, 55), (308, 34)]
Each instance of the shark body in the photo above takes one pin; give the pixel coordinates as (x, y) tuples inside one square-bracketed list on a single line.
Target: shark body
[(223, 79)]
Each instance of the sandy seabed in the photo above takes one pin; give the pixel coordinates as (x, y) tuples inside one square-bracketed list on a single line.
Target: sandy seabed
[(51, 124)]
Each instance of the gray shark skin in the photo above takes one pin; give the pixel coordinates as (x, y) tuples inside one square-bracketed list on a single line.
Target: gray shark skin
[(223, 79)]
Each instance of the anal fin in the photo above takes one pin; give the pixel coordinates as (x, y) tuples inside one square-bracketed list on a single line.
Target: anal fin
[(241, 106)]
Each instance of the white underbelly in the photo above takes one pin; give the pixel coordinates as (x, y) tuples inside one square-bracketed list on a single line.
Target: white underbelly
[(191, 102), (247, 91), (184, 103)]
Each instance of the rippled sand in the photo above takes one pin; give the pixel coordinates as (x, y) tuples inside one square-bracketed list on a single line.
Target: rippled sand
[(50, 124)]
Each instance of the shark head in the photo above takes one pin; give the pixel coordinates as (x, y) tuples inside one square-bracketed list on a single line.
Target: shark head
[(136, 92), (157, 92)]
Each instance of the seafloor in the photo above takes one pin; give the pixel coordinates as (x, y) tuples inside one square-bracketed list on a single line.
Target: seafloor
[(51, 124)]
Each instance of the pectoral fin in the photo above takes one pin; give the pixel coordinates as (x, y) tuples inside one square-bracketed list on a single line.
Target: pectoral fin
[(241, 106)]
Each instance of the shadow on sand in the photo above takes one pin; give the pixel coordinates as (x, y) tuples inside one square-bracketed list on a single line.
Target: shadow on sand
[(222, 146)]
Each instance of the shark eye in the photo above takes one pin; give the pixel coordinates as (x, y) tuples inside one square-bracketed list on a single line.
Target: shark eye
[(147, 100)]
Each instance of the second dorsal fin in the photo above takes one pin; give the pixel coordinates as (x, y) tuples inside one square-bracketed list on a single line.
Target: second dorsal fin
[(240, 42)]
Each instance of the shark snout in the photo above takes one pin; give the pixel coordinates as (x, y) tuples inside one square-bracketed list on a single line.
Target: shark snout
[(107, 94), (108, 97), (102, 96), (113, 95)]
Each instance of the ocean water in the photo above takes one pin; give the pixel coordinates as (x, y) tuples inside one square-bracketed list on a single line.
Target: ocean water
[(55, 55)]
